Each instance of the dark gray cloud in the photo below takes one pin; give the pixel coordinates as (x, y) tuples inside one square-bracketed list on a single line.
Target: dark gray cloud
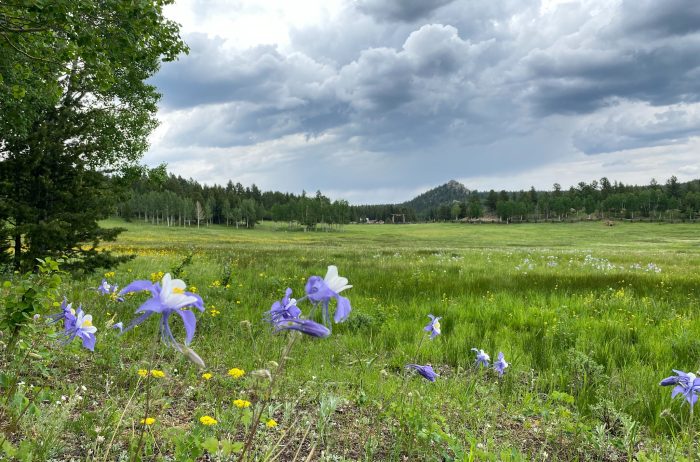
[(212, 74), (660, 18), (400, 10), (646, 51)]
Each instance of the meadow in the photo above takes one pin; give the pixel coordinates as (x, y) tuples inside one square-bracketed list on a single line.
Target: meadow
[(590, 319)]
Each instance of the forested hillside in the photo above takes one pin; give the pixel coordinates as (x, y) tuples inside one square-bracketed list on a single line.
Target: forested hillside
[(157, 197)]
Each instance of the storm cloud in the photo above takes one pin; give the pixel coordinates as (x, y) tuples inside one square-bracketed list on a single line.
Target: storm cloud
[(382, 96)]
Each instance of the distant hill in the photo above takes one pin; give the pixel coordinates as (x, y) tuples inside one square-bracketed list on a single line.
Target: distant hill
[(446, 193)]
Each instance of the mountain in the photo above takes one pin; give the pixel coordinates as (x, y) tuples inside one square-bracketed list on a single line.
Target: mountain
[(446, 193)]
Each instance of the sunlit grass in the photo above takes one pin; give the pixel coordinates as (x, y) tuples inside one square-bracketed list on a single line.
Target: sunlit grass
[(594, 314)]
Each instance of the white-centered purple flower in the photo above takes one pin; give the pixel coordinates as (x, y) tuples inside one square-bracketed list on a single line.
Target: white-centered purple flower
[(322, 290), (501, 364), (305, 326), (482, 359), (686, 383), (283, 309), (433, 326), (106, 288), (426, 371), (76, 324), (167, 298)]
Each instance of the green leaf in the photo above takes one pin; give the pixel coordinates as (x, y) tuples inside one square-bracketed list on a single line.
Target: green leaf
[(18, 92), (211, 444), (230, 448), (247, 417), (9, 450)]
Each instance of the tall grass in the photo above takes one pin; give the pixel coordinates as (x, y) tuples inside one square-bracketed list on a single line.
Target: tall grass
[(588, 327)]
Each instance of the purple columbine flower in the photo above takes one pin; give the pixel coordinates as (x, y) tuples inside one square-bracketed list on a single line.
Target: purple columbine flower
[(305, 326), (67, 314), (433, 326), (283, 309), (106, 288), (167, 298), (501, 364), (76, 324), (482, 359), (686, 384), (322, 290), (426, 371)]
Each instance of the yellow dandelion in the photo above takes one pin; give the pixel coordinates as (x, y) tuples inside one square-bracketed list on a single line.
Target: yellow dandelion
[(206, 376), (236, 373), (148, 421), (241, 403), (157, 374), (193, 289), (208, 421), (272, 423), (142, 372)]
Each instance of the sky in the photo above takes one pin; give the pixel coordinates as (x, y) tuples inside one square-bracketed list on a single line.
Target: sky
[(376, 101)]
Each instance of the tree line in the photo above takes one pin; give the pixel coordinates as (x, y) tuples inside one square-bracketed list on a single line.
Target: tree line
[(164, 199), (160, 198), (601, 199)]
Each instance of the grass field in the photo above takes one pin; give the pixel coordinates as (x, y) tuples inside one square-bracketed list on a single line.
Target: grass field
[(589, 317)]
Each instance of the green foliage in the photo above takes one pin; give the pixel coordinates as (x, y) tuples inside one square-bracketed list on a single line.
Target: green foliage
[(27, 295)]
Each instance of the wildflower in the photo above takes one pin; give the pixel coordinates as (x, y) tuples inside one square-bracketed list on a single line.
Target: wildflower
[(106, 288), (501, 364), (322, 290), (262, 374), (156, 276), (208, 421), (142, 372), (236, 373), (482, 358), (109, 274), (148, 421), (685, 383), (76, 324), (426, 371), (120, 326), (206, 376), (241, 403), (305, 326), (158, 374), (283, 309), (433, 326), (192, 356), (271, 423), (167, 298)]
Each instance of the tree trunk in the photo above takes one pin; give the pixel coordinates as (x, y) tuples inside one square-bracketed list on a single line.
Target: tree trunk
[(18, 249)]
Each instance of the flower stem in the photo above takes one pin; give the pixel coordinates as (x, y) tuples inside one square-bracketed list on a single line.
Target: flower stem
[(691, 429), (258, 415), (137, 453)]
